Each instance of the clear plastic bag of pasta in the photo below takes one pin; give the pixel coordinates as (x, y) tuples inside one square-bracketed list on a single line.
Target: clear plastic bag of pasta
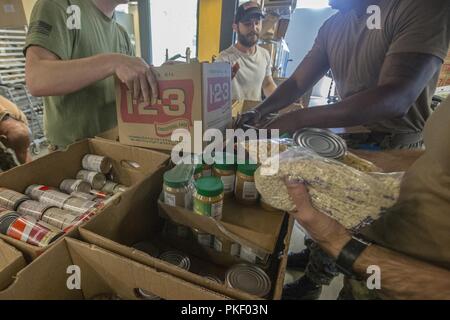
[(353, 198)]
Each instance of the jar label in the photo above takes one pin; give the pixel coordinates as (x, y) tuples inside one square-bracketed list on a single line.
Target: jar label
[(216, 210), (248, 254), (218, 245), (170, 199), (188, 200), (249, 191), (228, 183)]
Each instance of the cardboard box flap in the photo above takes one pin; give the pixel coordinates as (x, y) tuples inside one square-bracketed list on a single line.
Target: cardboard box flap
[(158, 264), (250, 226), (11, 262), (124, 276)]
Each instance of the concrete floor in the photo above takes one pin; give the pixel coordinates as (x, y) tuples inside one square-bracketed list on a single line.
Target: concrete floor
[(297, 244)]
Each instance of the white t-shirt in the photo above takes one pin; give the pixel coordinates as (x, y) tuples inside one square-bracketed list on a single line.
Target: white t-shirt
[(247, 85)]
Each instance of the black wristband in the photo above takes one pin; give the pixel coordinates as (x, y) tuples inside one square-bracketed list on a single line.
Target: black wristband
[(351, 251)]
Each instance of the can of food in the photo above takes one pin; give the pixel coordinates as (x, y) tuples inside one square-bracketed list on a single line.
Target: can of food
[(10, 199), (213, 278), (99, 194), (147, 247), (35, 191), (226, 246), (54, 198), (32, 208), (120, 188), (176, 230), (323, 142), (109, 187), (79, 206), (59, 218), (28, 230), (6, 218), (96, 163), (145, 295), (72, 185), (208, 197), (250, 279), (96, 179), (85, 217), (203, 238), (84, 196), (253, 255), (177, 259)]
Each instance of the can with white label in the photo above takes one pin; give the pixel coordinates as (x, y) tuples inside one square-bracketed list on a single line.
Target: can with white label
[(59, 218), (79, 206), (96, 163), (72, 185), (32, 208), (203, 238), (35, 191), (54, 198), (96, 179), (226, 246), (10, 199), (177, 259)]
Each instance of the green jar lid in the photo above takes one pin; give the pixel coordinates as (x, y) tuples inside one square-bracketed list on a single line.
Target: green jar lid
[(248, 169), (225, 161), (179, 176), (209, 186)]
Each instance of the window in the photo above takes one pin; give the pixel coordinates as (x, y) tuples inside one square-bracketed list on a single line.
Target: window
[(174, 27)]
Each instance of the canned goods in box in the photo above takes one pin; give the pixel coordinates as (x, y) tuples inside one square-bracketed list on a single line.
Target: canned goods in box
[(109, 187), (84, 196), (28, 230), (227, 247), (250, 279), (78, 205), (72, 185), (35, 191), (11, 199), (32, 208), (97, 180), (96, 163), (59, 218), (54, 198), (6, 218), (323, 142), (81, 219), (147, 247), (253, 256), (177, 259), (203, 238)]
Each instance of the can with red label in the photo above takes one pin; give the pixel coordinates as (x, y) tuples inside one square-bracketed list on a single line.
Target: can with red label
[(72, 185), (96, 163), (10, 199), (35, 191), (32, 208), (27, 229)]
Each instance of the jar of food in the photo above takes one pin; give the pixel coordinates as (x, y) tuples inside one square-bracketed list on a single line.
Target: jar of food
[(198, 171), (177, 189), (225, 169), (207, 170), (208, 197), (245, 189), (226, 246), (203, 238)]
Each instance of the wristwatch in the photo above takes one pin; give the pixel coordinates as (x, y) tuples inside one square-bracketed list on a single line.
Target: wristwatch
[(349, 254)]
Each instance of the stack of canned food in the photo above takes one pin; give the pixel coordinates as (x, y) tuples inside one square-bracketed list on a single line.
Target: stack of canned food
[(43, 213)]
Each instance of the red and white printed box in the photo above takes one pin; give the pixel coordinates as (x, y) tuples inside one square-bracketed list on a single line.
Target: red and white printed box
[(187, 93)]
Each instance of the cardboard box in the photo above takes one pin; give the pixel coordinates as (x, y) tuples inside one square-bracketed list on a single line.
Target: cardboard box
[(11, 262), (130, 165), (101, 272), (12, 14), (136, 219), (188, 93)]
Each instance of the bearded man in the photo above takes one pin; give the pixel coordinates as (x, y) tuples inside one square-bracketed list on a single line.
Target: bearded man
[(252, 63)]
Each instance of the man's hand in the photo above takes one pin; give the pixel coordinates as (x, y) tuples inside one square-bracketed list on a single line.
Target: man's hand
[(249, 118), (138, 76), (327, 232)]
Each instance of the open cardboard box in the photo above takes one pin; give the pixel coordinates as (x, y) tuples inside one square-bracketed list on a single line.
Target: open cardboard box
[(101, 272), (130, 165), (135, 218), (11, 262)]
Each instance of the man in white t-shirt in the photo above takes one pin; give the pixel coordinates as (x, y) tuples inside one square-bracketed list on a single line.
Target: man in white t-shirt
[(251, 62)]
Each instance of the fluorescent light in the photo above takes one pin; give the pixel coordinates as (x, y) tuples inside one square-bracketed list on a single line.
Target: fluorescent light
[(312, 4)]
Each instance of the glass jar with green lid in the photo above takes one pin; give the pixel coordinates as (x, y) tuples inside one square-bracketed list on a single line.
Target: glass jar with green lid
[(177, 190), (208, 197), (225, 169), (245, 188)]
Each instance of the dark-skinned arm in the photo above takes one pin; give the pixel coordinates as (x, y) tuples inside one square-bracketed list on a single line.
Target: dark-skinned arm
[(403, 77)]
